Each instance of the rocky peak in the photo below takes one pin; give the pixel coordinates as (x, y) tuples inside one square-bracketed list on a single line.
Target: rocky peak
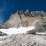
[(23, 19), (27, 11), (20, 12)]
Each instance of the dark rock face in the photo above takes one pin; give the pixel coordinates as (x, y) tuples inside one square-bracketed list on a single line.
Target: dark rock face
[(2, 34), (41, 24)]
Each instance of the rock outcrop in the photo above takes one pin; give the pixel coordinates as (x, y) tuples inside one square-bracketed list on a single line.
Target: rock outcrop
[(24, 40), (18, 19), (2, 34)]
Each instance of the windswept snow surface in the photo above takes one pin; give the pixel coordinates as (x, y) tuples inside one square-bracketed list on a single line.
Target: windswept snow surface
[(19, 30)]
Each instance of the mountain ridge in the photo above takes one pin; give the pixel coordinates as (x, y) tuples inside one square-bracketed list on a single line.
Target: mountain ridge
[(21, 19)]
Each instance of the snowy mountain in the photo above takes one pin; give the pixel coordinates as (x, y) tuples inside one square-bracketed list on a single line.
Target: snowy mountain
[(24, 29), (23, 22)]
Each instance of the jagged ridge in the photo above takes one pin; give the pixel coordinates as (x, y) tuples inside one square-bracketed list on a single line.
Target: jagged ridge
[(36, 18)]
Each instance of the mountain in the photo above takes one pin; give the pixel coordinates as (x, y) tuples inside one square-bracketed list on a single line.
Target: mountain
[(19, 23), (25, 19)]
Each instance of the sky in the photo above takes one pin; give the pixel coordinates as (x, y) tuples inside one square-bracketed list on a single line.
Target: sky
[(8, 7)]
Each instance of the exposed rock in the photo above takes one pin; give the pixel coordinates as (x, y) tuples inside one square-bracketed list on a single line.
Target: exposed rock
[(41, 25), (20, 12), (24, 40), (38, 14), (17, 20), (27, 13), (2, 34)]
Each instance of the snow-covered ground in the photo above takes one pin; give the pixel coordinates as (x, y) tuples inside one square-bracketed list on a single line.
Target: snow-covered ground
[(41, 33), (20, 30), (1, 41)]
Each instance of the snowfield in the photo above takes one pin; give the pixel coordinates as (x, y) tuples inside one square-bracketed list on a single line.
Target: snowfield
[(19, 30)]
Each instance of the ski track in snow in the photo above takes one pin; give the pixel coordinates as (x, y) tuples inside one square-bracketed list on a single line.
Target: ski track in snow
[(19, 30)]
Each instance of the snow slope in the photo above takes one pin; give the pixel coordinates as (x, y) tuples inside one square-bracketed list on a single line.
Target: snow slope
[(20, 30)]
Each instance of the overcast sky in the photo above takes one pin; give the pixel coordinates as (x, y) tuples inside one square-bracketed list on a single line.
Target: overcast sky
[(8, 7)]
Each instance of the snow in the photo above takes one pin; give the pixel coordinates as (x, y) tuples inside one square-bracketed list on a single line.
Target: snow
[(20, 30), (40, 33), (1, 41)]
